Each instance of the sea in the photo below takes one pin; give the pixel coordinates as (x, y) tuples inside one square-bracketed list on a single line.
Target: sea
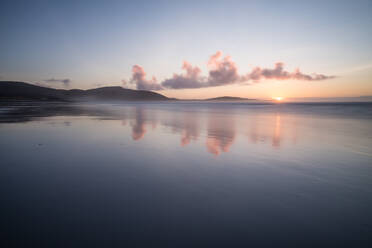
[(186, 174)]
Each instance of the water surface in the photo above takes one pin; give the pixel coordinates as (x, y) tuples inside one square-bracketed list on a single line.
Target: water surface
[(186, 174)]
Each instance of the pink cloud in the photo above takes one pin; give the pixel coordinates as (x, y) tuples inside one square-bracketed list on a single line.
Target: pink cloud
[(222, 71), (139, 78), (190, 79), (279, 73)]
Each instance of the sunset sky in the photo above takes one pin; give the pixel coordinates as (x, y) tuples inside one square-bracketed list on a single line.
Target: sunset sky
[(192, 49)]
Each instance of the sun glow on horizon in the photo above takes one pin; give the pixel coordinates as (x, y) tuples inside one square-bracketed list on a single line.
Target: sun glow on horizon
[(278, 98)]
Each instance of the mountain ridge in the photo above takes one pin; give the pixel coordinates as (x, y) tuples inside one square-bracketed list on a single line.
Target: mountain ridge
[(229, 98), (14, 90)]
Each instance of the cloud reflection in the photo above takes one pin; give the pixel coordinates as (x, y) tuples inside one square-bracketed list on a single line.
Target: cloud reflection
[(190, 132), (218, 132), (187, 124), (221, 134), (138, 127), (139, 121)]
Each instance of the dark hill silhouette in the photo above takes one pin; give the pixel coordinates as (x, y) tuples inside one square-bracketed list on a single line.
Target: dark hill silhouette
[(229, 98), (24, 91)]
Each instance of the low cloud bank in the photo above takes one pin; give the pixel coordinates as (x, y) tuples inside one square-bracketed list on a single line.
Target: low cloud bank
[(222, 71)]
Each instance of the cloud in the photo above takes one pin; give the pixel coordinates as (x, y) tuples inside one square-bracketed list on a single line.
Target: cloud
[(66, 81), (190, 79), (279, 73), (222, 71), (139, 78)]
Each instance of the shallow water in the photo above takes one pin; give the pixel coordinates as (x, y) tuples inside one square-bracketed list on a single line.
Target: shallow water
[(186, 174)]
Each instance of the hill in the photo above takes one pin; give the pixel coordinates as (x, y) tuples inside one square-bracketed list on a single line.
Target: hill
[(229, 98), (23, 91)]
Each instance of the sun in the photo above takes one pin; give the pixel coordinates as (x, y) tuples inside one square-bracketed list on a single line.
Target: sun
[(278, 98)]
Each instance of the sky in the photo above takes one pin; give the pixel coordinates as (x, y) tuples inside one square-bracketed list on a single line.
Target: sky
[(191, 49)]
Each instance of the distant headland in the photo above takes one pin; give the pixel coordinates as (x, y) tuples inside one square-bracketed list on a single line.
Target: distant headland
[(10, 90)]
